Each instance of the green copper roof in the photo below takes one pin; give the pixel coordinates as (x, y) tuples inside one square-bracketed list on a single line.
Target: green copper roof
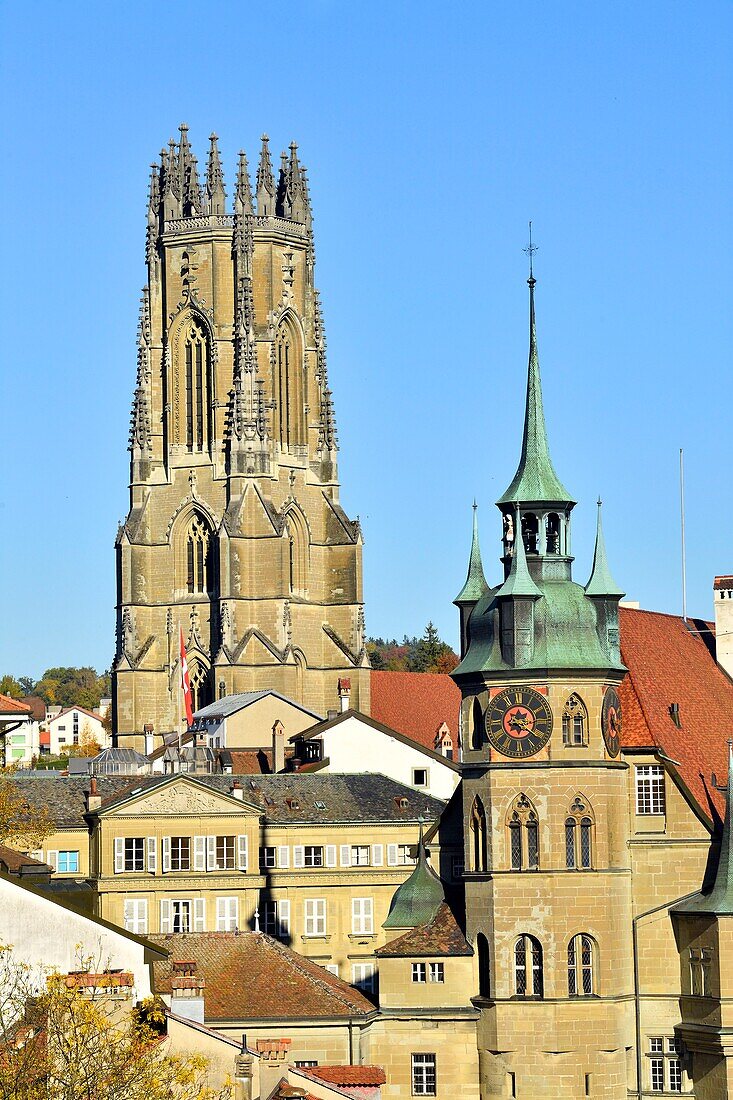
[(720, 899), (600, 582), (475, 586), (418, 899), (535, 480), (519, 581)]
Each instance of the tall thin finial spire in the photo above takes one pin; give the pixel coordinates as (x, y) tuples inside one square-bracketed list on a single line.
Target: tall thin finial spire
[(530, 251), (600, 582), (476, 586)]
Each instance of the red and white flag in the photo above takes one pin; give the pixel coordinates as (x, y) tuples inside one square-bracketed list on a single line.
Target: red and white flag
[(186, 683)]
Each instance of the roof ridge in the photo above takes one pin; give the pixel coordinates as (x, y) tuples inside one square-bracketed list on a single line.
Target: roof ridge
[(295, 960)]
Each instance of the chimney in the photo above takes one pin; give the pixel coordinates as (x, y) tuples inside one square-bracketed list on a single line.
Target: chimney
[(674, 713), (148, 732), (345, 694), (243, 1072), (278, 747), (94, 800), (187, 992), (723, 602), (236, 791)]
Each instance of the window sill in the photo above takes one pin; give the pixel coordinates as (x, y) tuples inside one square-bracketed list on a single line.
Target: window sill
[(316, 936), (362, 936)]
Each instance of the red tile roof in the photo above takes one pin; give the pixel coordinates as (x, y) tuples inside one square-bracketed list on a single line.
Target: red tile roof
[(9, 705), (253, 762), (14, 862), (441, 936), (723, 583), (38, 707), (365, 1076), (249, 975), (416, 703)]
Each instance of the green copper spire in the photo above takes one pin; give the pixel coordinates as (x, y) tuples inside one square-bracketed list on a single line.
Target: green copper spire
[(535, 481), (475, 586), (600, 582), (519, 582), (418, 899)]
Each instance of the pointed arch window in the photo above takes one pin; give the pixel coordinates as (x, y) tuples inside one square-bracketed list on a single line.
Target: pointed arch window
[(290, 410), (297, 551), (524, 837), (528, 970), (579, 836), (200, 680), (193, 419), (581, 966), (199, 571), (574, 722), (479, 837)]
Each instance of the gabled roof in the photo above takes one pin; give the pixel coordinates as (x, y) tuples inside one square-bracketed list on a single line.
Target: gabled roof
[(332, 723), (81, 710), (440, 936), (232, 704), (17, 863), (8, 705), (251, 976), (37, 705), (416, 703)]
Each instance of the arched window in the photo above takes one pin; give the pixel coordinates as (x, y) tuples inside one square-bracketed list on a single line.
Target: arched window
[(484, 971), (199, 565), (579, 836), (290, 412), (193, 349), (479, 838), (581, 968), (477, 729), (524, 838), (574, 722), (552, 533), (530, 532), (528, 977), (200, 680), (298, 545)]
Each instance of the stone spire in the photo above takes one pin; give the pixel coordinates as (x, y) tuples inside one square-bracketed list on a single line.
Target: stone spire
[(140, 425), (282, 198), (475, 587), (327, 437), (535, 481), (171, 182), (243, 192), (600, 582), (215, 189), (297, 194), (265, 181), (191, 197)]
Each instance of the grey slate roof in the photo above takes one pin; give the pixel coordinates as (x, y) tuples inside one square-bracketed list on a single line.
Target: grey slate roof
[(230, 704), (346, 798)]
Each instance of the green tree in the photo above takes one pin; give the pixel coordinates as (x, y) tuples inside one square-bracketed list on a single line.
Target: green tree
[(10, 686)]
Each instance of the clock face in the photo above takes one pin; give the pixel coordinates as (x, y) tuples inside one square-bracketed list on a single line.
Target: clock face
[(611, 721), (518, 722)]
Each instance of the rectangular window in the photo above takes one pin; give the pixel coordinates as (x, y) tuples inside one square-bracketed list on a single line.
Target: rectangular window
[(420, 777), (68, 862), (277, 918), (134, 853), (649, 789), (403, 855), (315, 917), (360, 855), (224, 853), (136, 916), (180, 853), (363, 976), (656, 1046), (181, 913), (437, 972), (305, 1063), (313, 855), (419, 973), (268, 858), (675, 1075), (656, 1070), (227, 914), (457, 868), (362, 918), (423, 1075)]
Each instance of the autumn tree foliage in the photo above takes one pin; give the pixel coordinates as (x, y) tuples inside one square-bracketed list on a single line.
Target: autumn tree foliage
[(72, 1037), (23, 825), (426, 654)]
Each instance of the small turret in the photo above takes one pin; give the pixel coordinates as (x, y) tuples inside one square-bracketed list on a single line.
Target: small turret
[(475, 587), (296, 188), (171, 183), (605, 594), (243, 192), (191, 197), (265, 181), (419, 897), (215, 179)]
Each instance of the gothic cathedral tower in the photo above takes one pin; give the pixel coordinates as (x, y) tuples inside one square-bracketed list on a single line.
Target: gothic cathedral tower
[(235, 533), (548, 882)]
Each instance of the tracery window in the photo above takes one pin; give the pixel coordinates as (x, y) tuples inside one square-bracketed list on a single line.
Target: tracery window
[(199, 578), (479, 837), (296, 533), (581, 976), (195, 355), (290, 412), (200, 680), (524, 841), (528, 973), (579, 836), (574, 722)]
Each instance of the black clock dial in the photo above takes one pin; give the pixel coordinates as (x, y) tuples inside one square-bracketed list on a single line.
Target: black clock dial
[(611, 721), (518, 722)]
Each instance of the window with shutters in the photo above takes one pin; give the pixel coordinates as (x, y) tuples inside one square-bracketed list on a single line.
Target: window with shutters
[(313, 854), (362, 916), (227, 914), (268, 858), (363, 976), (315, 917), (581, 966), (650, 789), (134, 853), (404, 855), (360, 855), (136, 915), (225, 853), (579, 835), (523, 835), (180, 853), (424, 1077), (181, 916), (528, 971), (276, 916)]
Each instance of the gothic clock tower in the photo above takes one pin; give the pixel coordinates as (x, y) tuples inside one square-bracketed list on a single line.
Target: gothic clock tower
[(548, 882), (235, 533)]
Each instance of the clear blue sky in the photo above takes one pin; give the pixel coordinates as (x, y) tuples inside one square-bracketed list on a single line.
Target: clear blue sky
[(431, 132)]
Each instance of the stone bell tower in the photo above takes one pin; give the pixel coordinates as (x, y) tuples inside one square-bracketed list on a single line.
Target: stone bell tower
[(235, 533), (548, 886)]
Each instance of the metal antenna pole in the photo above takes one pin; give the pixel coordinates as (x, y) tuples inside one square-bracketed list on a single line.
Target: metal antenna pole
[(682, 533)]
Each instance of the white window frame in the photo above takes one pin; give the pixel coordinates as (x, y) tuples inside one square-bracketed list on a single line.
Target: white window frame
[(314, 910), (227, 914), (67, 870), (650, 790), (360, 855), (177, 856), (362, 916), (136, 916), (424, 1074), (276, 917), (364, 976), (419, 973), (436, 972), (426, 772)]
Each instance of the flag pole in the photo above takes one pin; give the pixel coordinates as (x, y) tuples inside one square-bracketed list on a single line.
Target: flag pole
[(180, 688)]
